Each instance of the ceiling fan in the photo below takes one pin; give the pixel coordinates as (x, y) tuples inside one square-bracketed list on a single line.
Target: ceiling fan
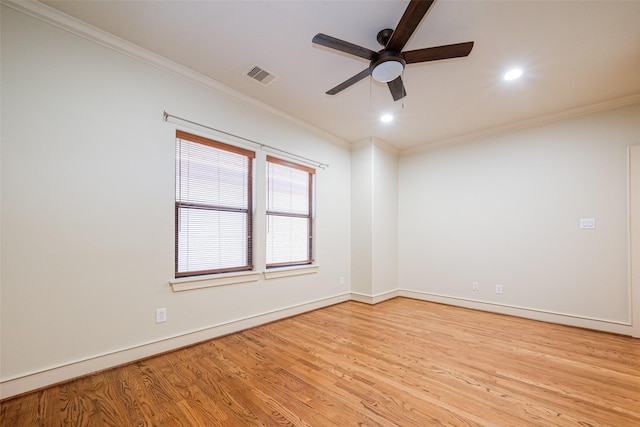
[(388, 64)]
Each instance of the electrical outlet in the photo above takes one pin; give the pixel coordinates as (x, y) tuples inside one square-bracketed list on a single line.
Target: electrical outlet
[(498, 289), (588, 223), (341, 280), (161, 315), (475, 286)]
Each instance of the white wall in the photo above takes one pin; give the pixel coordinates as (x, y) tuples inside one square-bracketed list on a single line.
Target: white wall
[(634, 224), (362, 218), (374, 189), (505, 210), (385, 219), (87, 208)]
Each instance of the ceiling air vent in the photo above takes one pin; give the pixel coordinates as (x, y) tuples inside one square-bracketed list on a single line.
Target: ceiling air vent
[(260, 75)]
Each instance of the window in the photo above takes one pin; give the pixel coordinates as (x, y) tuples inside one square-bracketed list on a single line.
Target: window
[(213, 206), (289, 213)]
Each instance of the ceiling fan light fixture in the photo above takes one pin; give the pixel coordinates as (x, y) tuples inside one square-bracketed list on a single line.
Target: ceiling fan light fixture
[(387, 71)]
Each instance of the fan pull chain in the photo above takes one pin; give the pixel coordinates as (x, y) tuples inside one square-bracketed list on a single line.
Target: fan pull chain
[(370, 97), (402, 107)]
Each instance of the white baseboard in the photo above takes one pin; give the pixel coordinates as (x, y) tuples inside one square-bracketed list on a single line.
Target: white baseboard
[(26, 383), (37, 380), (374, 299), (527, 313)]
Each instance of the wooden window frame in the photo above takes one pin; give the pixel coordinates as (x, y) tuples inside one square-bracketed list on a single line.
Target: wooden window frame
[(309, 216), (250, 155)]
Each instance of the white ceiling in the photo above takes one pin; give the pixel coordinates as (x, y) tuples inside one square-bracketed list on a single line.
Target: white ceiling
[(574, 54)]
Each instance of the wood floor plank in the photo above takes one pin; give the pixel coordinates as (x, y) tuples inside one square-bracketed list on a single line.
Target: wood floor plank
[(399, 372), (402, 362)]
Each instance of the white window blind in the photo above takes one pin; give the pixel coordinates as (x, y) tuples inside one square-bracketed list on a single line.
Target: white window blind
[(289, 213), (213, 206)]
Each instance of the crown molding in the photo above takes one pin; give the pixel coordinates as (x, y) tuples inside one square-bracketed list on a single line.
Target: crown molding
[(536, 121), (89, 32), (377, 142)]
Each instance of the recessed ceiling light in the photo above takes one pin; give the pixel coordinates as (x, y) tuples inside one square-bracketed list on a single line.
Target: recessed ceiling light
[(386, 118), (513, 74)]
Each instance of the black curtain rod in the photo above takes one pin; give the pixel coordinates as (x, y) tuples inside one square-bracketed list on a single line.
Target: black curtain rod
[(166, 117)]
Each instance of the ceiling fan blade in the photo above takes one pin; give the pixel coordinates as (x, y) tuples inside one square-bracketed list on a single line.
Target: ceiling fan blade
[(397, 89), (457, 50), (408, 23), (353, 80), (343, 46)]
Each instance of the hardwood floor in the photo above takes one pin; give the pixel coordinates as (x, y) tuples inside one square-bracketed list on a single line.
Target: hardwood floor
[(402, 362)]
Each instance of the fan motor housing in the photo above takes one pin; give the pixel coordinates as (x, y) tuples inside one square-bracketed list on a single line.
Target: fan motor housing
[(387, 55)]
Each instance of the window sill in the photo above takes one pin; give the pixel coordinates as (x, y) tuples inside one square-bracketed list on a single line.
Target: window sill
[(276, 273), (211, 280)]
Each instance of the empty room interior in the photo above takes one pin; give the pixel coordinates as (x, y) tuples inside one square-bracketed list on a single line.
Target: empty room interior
[(472, 259)]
